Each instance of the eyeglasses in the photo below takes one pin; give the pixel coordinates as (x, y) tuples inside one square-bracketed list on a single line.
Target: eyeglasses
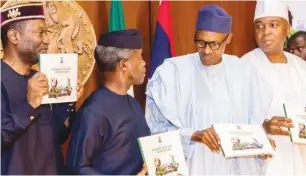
[(212, 45)]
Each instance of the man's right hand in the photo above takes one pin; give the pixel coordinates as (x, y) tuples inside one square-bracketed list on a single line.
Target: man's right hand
[(274, 126), (37, 87), (143, 171), (209, 137)]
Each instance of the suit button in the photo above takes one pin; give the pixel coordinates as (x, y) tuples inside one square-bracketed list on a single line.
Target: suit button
[(32, 118)]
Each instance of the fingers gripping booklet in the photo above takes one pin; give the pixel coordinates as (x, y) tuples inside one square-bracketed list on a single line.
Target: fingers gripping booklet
[(297, 113), (243, 140), (163, 154), (61, 71)]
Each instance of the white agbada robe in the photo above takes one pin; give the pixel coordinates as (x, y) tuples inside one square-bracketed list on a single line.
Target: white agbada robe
[(287, 82), (186, 95)]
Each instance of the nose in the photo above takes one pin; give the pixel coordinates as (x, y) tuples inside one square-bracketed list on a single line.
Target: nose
[(206, 50), (296, 52), (46, 40), (144, 62), (266, 30)]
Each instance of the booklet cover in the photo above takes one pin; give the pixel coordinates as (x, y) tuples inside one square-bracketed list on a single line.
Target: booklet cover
[(243, 140), (163, 154), (298, 115), (61, 71)]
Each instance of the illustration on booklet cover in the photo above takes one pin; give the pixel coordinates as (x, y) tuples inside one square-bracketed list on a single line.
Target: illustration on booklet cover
[(297, 113), (302, 133), (244, 144), (61, 72)]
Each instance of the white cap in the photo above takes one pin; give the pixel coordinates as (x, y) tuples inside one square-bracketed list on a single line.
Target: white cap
[(268, 8)]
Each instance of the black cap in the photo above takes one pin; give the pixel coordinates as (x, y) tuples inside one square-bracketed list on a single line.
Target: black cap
[(129, 39)]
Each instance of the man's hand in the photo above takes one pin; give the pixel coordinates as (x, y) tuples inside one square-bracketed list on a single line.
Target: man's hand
[(266, 156), (209, 137), (274, 125), (272, 142), (80, 89), (37, 87), (143, 171)]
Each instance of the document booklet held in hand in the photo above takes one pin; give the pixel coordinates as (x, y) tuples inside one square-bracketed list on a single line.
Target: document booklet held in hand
[(239, 140), (62, 74), (297, 113), (163, 154)]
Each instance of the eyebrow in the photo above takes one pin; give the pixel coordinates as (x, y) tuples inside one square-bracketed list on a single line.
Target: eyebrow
[(214, 41), (268, 21)]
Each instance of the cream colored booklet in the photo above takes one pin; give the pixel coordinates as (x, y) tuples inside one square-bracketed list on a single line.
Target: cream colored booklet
[(239, 140), (298, 115), (61, 71), (163, 154)]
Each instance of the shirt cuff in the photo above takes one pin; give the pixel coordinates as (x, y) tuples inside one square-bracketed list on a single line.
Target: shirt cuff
[(26, 113), (188, 144)]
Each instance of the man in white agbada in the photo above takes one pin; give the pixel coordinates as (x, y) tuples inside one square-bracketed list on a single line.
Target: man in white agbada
[(194, 91), (285, 74)]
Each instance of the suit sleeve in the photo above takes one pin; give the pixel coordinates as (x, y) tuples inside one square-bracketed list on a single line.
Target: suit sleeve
[(14, 123)]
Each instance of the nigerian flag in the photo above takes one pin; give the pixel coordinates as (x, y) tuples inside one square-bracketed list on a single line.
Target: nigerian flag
[(116, 21)]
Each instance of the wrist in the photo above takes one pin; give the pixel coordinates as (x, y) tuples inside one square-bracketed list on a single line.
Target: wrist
[(32, 104), (265, 125), (196, 136)]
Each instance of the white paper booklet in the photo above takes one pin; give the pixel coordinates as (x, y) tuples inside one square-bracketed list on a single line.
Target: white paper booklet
[(298, 115), (243, 140), (61, 71), (163, 154)]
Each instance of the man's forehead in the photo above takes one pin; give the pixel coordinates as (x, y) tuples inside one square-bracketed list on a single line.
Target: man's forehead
[(37, 24), (268, 19), (299, 41), (211, 35)]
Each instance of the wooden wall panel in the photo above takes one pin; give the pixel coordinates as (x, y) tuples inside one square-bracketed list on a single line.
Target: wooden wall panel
[(137, 16), (96, 16)]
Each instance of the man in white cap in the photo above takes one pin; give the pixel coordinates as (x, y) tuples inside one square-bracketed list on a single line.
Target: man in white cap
[(190, 93), (285, 75)]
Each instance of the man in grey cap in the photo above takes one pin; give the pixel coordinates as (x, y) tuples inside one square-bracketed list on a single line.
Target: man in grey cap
[(104, 136), (284, 74), (190, 93)]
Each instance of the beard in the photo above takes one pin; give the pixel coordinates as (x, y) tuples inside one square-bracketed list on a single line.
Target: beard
[(29, 58)]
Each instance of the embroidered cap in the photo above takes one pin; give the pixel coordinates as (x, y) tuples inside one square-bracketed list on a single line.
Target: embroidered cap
[(22, 12)]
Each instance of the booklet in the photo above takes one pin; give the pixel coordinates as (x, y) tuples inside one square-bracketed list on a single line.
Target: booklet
[(163, 154), (298, 115), (61, 71), (239, 140)]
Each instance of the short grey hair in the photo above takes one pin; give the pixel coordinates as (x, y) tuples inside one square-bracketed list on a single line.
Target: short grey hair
[(108, 57)]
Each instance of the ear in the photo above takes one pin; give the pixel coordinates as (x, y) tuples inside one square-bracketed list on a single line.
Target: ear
[(123, 64), (288, 29), (229, 38), (13, 36)]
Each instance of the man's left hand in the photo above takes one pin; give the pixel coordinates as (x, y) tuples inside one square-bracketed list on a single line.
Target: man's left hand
[(268, 155)]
